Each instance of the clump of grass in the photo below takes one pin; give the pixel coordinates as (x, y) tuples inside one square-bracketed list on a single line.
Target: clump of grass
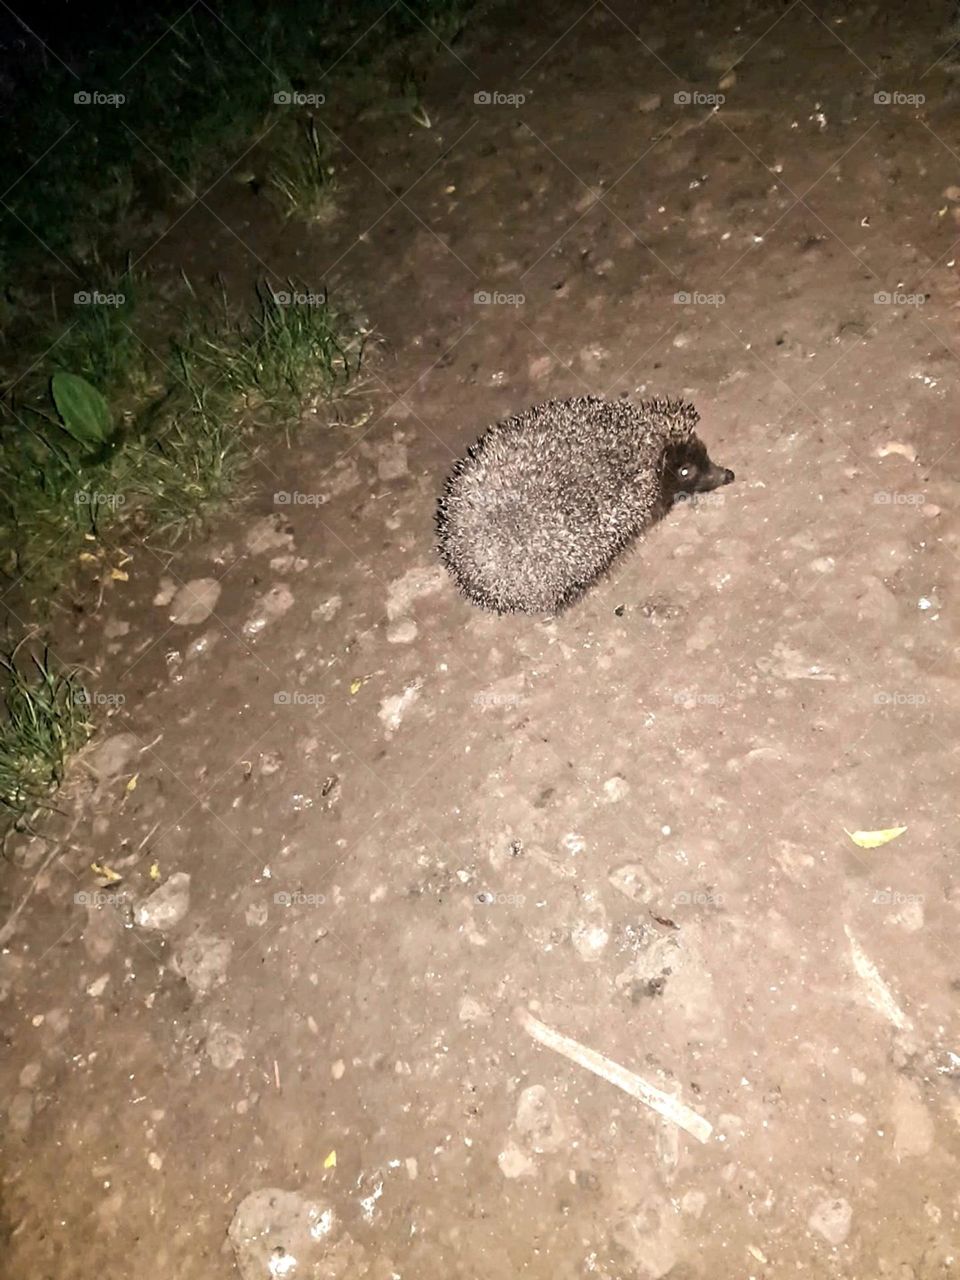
[(179, 454), (194, 465), (297, 351), (207, 94), (98, 340), (302, 179), (43, 719), (300, 350), (52, 505)]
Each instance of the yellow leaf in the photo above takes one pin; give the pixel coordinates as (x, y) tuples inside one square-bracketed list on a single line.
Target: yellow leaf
[(356, 685), (87, 557), (132, 784), (104, 872), (874, 839), (118, 575), (331, 1161), (154, 870)]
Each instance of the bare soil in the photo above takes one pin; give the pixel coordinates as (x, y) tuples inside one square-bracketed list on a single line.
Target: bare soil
[(403, 819)]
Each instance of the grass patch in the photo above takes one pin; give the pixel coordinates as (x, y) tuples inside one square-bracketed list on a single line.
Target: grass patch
[(157, 111), (302, 179), (56, 499), (192, 463), (296, 351), (98, 340), (179, 455), (44, 718)]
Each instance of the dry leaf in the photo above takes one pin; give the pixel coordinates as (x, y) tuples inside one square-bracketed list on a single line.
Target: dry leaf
[(105, 873), (154, 870), (331, 1161), (874, 839), (356, 685), (132, 784)]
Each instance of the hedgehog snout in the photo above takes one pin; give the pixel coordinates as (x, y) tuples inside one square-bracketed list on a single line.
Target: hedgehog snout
[(713, 477)]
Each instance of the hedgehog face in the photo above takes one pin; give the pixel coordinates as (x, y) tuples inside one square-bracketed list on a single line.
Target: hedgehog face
[(687, 470)]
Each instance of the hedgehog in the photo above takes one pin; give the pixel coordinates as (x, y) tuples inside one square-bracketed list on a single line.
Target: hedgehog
[(543, 504)]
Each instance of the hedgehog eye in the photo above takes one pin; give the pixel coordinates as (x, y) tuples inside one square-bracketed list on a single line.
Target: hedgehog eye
[(685, 472)]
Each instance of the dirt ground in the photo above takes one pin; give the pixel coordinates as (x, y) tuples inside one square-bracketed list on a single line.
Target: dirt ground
[(381, 822)]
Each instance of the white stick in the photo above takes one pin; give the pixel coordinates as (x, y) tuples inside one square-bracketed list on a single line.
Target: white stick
[(670, 1108)]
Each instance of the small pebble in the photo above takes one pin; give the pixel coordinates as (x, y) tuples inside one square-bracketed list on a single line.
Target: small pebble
[(402, 632), (897, 446), (515, 1163), (616, 788), (831, 1219), (194, 602)]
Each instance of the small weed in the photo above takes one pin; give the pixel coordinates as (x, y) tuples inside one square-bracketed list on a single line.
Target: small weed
[(191, 465), (297, 351), (54, 500), (43, 719), (97, 339), (302, 180), (301, 350)]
